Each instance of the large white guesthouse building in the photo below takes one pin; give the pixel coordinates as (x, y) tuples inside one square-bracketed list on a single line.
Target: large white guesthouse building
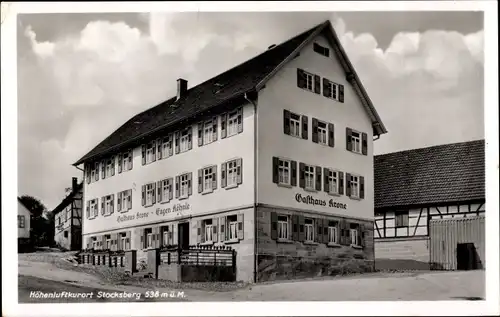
[(273, 157)]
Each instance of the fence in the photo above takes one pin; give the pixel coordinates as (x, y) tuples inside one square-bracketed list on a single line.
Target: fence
[(213, 256), (103, 258), (457, 243)]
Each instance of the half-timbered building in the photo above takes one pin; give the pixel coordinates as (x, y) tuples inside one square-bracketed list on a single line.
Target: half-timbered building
[(68, 218), (273, 158), (416, 186)]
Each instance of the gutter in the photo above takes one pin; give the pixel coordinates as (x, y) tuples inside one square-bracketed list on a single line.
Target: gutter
[(255, 184)]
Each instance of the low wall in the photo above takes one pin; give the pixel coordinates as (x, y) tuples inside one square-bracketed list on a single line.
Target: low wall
[(402, 254), (125, 261)]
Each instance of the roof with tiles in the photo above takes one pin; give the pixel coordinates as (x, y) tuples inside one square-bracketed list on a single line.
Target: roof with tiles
[(438, 174), (225, 87)]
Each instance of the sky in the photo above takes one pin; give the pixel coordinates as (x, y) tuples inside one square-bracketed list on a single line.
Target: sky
[(80, 76)]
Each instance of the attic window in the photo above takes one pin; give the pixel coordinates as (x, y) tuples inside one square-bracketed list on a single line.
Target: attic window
[(325, 51)]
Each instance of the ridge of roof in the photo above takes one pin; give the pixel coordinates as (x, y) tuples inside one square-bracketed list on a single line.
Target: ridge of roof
[(66, 200), (431, 147)]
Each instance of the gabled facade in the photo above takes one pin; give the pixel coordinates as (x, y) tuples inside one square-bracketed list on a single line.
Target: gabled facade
[(414, 187), (68, 219), (273, 157), (23, 222)]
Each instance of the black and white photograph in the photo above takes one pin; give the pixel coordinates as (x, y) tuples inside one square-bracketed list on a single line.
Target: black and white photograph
[(165, 157)]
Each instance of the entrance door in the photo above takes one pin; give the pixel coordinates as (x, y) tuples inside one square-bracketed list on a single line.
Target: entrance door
[(183, 235), (466, 256)]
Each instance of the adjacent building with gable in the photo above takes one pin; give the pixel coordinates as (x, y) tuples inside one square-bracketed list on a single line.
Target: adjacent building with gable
[(273, 158)]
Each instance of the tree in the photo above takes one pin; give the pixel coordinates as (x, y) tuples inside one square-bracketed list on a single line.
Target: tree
[(42, 228)]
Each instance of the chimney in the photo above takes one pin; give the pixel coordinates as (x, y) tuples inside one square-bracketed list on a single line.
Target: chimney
[(181, 88), (74, 183)]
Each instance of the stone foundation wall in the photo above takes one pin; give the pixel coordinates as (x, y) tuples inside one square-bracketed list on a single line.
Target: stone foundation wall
[(293, 259), (402, 254)]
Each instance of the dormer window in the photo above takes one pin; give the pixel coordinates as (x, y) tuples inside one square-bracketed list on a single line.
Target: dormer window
[(325, 51)]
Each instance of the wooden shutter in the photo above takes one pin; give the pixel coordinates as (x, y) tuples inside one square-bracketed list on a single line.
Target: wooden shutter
[(302, 233), (159, 190), (302, 179), (143, 195), (331, 135), (275, 170), (177, 141), (348, 133), (240, 120), (114, 241), (317, 84), (239, 171), (112, 204), (223, 179), (240, 226), (175, 236), (318, 237), (190, 138), (361, 187), (301, 80), (154, 193), (348, 184), (177, 186), (341, 182), (88, 209), (215, 226), (326, 88), (96, 167), (159, 152), (87, 174), (223, 125), (129, 199), (341, 93), (153, 148), (103, 204), (130, 159), (319, 180), (88, 243), (103, 169), (364, 143), (120, 163), (325, 230), (200, 133), (286, 121), (214, 128), (222, 228), (326, 178), (274, 225), (363, 235), (214, 177), (113, 162), (171, 142), (127, 241), (190, 185), (293, 171), (143, 243), (198, 232), (143, 154), (315, 130), (295, 227), (304, 121), (200, 180)]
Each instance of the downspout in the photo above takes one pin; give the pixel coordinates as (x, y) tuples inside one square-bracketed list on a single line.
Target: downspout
[(255, 186)]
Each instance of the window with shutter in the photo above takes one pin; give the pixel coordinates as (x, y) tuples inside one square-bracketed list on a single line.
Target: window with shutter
[(305, 80), (183, 185), (283, 172), (234, 122), (185, 140), (207, 179), (309, 230), (325, 51), (164, 189)]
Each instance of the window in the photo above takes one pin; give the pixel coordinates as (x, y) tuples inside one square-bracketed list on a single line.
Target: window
[(59, 220), (207, 131), (209, 230), (94, 243), (150, 153), (66, 234), (232, 173), (165, 190), (356, 142), (108, 242), (207, 180), (354, 237), (95, 172), (107, 205), (126, 161), (184, 186), (184, 140), (124, 202), (92, 209), (166, 148), (232, 122), (401, 219), (309, 177), (354, 186), (110, 167), (149, 238), (331, 89), (283, 232), (295, 129), (333, 182), (21, 221), (167, 236), (124, 241), (232, 227), (284, 172), (309, 81), (332, 233), (325, 51), (150, 194), (309, 230), (322, 133)]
